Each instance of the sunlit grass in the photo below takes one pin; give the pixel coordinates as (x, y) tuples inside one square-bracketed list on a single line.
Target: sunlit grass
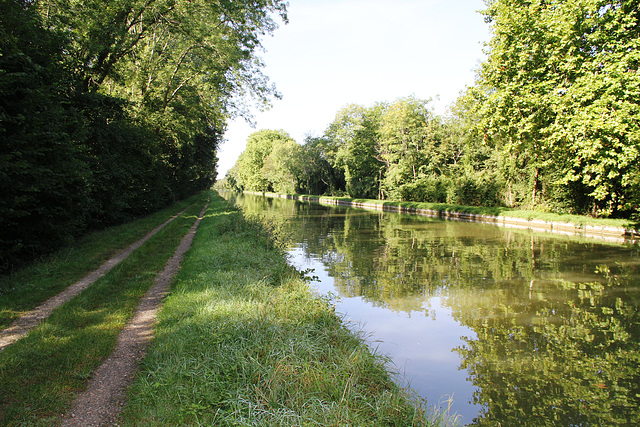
[(243, 341), (23, 290), (41, 373)]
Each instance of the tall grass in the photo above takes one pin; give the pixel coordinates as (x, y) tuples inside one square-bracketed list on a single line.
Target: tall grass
[(242, 341)]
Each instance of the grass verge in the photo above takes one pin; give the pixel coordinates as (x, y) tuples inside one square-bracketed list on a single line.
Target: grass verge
[(25, 289), (242, 341), (41, 373), (579, 220)]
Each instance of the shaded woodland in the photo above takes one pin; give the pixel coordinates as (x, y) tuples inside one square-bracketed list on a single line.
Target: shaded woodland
[(112, 109)]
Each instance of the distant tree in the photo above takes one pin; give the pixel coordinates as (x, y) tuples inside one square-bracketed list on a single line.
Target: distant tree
[(252, 173), (407, 142), (318, 172), (280, 167), (354, 133)]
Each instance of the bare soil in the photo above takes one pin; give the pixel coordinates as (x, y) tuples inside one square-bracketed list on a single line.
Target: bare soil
[(102, 402)]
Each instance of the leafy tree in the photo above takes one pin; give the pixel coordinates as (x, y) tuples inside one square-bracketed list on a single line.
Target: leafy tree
[(317, 170), (408, 139), (43, 174), (280, 166), (354, 133), (252, 173), (562, 95), (115, 108)]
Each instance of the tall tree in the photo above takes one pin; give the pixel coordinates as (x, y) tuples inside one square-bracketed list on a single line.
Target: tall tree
[(43, 176), (354, 133), (407, 140), (563, 90)]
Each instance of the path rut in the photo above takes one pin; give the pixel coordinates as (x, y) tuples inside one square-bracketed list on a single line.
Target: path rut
[(102, 402), (21, 326)]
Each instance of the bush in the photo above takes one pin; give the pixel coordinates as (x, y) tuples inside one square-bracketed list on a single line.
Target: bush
[(426, 189)]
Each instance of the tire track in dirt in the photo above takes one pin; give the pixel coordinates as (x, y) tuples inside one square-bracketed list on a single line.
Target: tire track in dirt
[(25, 323), (102, 402)]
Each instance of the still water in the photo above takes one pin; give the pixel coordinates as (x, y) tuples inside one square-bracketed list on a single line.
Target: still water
[(503, 326)]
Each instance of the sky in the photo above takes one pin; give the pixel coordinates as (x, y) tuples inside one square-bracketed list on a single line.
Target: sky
[(333, 53)]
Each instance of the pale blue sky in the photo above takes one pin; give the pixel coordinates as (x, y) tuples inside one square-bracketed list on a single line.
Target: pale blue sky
[(338, 52)]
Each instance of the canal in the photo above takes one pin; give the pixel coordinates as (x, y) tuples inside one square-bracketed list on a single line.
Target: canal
[(500, 326)]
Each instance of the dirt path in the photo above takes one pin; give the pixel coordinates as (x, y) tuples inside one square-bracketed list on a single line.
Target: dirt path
[(101, 403), (21, 326)]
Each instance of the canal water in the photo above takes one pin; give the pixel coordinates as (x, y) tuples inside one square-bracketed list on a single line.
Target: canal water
[(500, 326)]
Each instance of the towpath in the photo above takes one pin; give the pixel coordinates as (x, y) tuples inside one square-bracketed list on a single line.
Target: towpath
[(21, 326), (101, 403)]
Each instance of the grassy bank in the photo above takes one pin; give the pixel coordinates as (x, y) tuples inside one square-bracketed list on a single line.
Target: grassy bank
[(41, 373), (242, 341), (578, 220), (25, 289)]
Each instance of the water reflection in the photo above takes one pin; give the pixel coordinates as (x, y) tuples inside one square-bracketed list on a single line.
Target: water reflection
[(523, 329)]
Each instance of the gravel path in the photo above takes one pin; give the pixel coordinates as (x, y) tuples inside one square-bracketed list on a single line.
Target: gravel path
[(21, 326), (101, 403)]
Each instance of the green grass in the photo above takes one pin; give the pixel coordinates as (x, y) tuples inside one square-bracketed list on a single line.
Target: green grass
[(23, 290), (242, 341), (507, 212), (41, 373)]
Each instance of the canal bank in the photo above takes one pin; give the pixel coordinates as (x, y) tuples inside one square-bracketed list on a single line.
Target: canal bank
[(618, 234), (501, 325), (242, 340)]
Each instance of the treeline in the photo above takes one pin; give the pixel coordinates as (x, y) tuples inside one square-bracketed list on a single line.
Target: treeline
[(552, 123), (113, 109)]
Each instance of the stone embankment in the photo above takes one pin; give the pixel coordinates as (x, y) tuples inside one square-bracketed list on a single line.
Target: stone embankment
[(606, 233)]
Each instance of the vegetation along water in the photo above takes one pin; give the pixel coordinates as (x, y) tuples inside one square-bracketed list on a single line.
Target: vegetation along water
[(110, 114), (241, 339), (501, 325)]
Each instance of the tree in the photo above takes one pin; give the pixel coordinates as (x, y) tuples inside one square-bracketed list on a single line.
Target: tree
[(317, 170), (251, 163), (43, 173), (280, 167), (353, 132), (112, 109), (407, 140), (563, 90)]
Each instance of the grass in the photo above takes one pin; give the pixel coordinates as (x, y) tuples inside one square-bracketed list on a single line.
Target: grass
[(41, 373), (242, 341), (23, 290), (579, 220)]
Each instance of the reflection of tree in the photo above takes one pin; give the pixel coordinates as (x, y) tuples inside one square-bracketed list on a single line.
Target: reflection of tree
[(568, 356), (557, 322)]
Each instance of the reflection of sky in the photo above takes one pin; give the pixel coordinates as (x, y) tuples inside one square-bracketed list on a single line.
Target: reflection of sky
[(420, 344)]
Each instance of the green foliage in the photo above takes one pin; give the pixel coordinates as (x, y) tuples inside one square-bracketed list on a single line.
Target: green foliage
[(264, 165), (563, 90), (407, 143), (43, 176), (110, 110), (354, 132), (550, 125), (318, 172)]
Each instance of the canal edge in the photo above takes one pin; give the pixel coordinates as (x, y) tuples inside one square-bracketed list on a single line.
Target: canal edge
[(606, 233)]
